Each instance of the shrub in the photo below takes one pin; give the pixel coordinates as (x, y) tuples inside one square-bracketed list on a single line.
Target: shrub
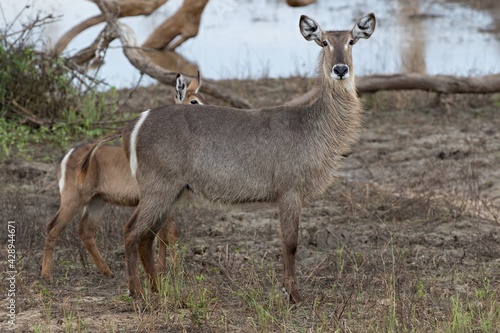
[(43, 97)]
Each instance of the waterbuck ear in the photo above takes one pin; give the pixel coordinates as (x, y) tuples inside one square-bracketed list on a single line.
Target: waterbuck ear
[(180, 89), (195, 84), (363, 28), (310, 29)]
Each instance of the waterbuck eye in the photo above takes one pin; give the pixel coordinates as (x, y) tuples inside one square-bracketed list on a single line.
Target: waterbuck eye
[(193, 101), (325, 43), (351, 42)]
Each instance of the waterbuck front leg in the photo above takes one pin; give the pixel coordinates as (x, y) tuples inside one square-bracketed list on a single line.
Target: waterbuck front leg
[(290, 205), (131, 248), (86, 230)]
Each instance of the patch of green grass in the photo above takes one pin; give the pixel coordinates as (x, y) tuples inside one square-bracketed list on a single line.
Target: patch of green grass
[(38, 328), (14, 138), (72, 321), (199, 303), (180, 295), (475, 313), (172, 283), (267, 305), (67, 267)]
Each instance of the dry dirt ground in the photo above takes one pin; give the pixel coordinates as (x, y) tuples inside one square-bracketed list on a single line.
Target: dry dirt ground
[(407, 240)]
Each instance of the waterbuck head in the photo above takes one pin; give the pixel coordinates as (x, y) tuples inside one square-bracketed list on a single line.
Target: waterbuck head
[(188, 94), (336, 58)]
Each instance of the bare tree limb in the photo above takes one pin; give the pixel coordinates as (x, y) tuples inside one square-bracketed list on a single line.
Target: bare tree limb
[(438, 83), (178, 28), (138, 59), (117, 8), (123, 8), (75, 31), (299, 3), (412, 81), (28, 115), (92, 53)]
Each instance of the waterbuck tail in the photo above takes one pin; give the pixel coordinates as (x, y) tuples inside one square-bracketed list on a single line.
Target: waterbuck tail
[(87, 158)]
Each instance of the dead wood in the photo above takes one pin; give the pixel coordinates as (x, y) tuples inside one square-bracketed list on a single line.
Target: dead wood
[(412, 81), (115, 8), (436, 83), (123, 8), (143, 63), (171, 60), (178, 28), (29, 117), (73, 32), (92, 53), (138, 58), (299, 3)]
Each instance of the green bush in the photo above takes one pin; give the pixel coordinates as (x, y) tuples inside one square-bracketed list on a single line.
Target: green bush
[(44, 99), (31, 82)]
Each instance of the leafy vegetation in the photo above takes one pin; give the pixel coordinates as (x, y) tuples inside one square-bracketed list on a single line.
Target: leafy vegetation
[(44, 99)]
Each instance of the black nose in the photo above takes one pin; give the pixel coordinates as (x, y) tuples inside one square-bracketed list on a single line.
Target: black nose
[(340, 70)]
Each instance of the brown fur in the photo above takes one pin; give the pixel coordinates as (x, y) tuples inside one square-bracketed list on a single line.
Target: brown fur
[(93, 178)]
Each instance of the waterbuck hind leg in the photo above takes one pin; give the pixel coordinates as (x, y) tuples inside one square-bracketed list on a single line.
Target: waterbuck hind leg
[(145, 250), (168, 237), (86, 230), (53, 229), (131, 248), (145, 247), (139, 233), (290, 206)]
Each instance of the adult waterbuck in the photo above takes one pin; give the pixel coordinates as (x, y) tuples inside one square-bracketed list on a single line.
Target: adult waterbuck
[(108, 181), (283, 155)]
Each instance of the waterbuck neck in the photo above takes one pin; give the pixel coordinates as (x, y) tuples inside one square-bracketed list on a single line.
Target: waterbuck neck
[(335, 116)]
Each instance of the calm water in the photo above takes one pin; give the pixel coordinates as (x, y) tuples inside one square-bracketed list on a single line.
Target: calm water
[(256, 38)]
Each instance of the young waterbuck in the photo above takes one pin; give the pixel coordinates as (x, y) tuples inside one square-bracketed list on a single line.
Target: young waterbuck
[(108, 181), (189, 94), (283, 155)]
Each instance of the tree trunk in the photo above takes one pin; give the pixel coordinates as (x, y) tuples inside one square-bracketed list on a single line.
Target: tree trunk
[(435, 83), (115, 8), (144, 64), (75, 31), (439, 83), (178, 28), (123, 8), (299, 3)]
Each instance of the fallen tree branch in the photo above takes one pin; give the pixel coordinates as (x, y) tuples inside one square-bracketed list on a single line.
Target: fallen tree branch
[(143, 63), (92, 53), (75, 31), (118, 8), (435, 83), (28, 115), (137, 58), (179, 27)]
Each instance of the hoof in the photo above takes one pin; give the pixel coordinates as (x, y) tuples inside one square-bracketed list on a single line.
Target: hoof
[(293, 297), (132, 294), (46, 277)]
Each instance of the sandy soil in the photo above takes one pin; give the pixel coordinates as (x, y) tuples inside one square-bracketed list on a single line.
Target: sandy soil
[(411, 223)]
